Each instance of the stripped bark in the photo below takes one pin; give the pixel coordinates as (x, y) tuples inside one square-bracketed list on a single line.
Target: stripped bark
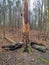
[(25, 20)]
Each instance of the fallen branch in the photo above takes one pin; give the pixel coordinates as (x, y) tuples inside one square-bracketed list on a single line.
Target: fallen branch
[(46, 61), (10, 40), (39, 47), (12, 47)]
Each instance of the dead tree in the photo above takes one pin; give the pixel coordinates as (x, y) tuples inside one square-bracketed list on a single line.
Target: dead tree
[(25, 21)]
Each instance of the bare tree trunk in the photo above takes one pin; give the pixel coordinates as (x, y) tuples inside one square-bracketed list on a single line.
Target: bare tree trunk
[(25, 24), (3, 18), (10, 20)]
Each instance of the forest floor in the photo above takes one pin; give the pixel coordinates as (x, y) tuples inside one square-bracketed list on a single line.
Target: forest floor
[(17, 57)]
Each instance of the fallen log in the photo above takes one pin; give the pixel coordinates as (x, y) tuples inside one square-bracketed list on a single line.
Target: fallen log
[(39, 47), (12, 47)]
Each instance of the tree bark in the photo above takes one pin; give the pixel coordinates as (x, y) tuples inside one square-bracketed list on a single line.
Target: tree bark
[(25, 20)]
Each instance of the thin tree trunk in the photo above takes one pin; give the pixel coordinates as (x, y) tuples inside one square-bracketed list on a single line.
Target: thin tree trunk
[(3, 18)]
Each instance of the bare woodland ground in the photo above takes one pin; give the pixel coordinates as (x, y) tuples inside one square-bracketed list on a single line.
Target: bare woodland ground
[(17, 57)]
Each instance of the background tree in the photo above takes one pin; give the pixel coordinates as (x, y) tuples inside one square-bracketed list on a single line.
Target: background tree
[(4, 6), (47, 15), (18, 5), (0, 13), (10, 16)]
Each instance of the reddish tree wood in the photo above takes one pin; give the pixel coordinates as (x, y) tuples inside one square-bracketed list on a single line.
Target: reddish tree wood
[(25, 23)]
